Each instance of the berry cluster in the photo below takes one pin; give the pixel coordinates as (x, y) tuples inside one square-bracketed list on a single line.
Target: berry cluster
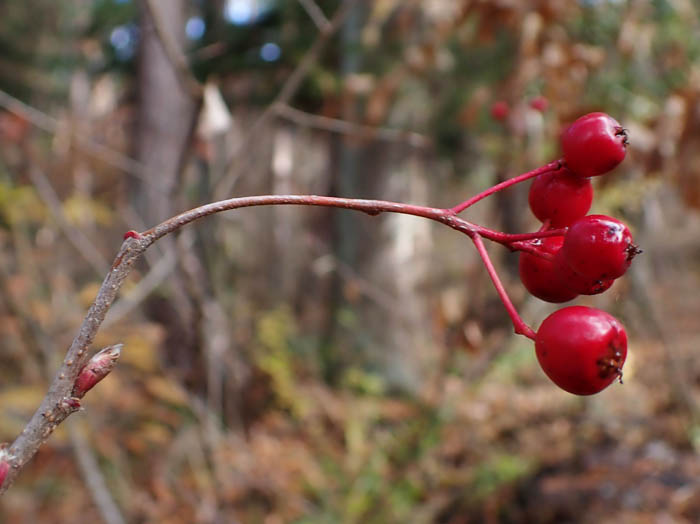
[(581, 349)]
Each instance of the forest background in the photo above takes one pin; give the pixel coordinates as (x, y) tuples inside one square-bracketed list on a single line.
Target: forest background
[(309, 365)]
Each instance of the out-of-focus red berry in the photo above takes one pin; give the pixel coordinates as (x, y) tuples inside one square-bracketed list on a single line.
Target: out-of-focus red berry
[(539, 103), (500, 110)]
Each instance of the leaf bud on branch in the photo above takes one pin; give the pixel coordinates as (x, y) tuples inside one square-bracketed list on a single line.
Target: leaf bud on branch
[(97, 368)]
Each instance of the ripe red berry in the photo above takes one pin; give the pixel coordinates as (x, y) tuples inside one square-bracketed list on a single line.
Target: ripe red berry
[(560, 197), (541, 276), (500, 110), (539, 103), (577, 283), (594, 144), (581, 349), (599, 247)]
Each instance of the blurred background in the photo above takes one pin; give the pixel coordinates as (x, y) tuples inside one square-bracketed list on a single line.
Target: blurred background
[(312, 365)]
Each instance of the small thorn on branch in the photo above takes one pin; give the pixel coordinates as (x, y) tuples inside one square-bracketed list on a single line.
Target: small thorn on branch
[(97, 368)]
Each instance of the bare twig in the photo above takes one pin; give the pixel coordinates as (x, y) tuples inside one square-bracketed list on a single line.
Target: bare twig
[(173, 52), (289, 89), (59, 403), (314, 11), (159, 271), (74, 235), (94, 480), (84, 143), (350, 128)]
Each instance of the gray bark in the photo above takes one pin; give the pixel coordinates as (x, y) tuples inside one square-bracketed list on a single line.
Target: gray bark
[(166, 110)]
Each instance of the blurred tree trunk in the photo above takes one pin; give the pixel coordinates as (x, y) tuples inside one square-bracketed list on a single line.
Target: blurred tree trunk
[(346, 159), (374, 286), (166, 117), (165, 114)]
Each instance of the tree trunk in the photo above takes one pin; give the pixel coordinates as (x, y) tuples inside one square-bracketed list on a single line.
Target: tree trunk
[(165, 114)]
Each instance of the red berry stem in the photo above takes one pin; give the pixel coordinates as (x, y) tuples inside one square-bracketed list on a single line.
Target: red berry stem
[(521, 328), (514, 239), (533, 249), (545, 225), (552, 166)]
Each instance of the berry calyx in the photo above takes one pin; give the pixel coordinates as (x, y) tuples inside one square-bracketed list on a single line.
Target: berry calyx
[(581, 349), (500, 110), (560, 197), (599, 247), (541, 275), (594, 144)]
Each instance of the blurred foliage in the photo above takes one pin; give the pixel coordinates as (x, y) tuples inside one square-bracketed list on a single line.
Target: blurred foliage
[(250, 429)]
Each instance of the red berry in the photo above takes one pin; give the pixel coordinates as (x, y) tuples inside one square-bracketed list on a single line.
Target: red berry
[(500, 110), (594, 144), (581, 349), (539, 103), (576, 282), (560, 197), (541, 276), (599, 247)]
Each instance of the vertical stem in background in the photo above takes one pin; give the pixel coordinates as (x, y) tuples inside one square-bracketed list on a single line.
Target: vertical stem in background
[(165, 112), (350, 150), (348, 180)]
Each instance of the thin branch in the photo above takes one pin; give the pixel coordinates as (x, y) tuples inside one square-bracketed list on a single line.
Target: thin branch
[(59, 403), (547, 168), (172, 51), (371, 207), (94, 480), (155, 277), (84, 143), (75, 236), (291, 86), (314, 11), (350, 128)]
